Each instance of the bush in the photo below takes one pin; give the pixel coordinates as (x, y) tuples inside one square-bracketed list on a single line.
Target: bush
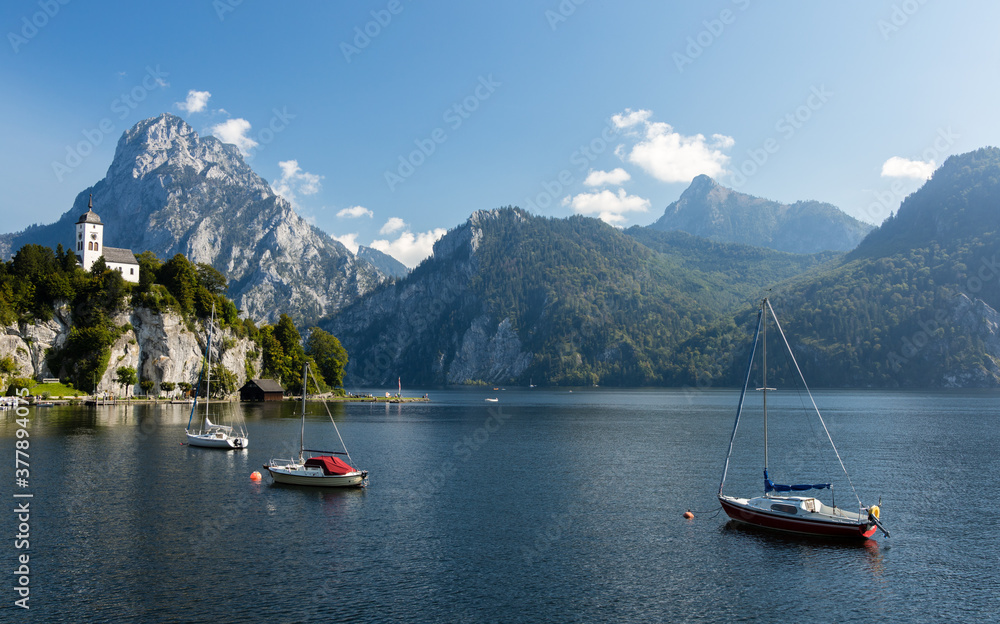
[(19, 383)]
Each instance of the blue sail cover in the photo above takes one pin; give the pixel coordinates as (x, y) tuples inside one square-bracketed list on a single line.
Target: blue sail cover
[(771, 486)]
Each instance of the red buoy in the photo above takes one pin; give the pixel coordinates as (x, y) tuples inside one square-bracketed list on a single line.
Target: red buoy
[(688, 515)]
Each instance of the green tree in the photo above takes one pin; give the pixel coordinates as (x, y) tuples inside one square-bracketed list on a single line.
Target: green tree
[(147, 386), (149, 266), (223, 380), (275, 365), (211, 279), (181, 279), (126, 376), (167, 386), (7, 366), (18, 383), (330, 356)]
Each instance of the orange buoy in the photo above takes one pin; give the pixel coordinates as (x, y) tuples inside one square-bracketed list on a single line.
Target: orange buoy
[(688, 515), (255, 476)]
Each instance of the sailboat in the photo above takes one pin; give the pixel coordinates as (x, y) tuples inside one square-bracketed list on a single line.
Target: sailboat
[(209, 434), (780, 508), (324, 470)]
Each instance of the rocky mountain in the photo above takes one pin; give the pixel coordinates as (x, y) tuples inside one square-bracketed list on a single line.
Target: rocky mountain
[(160, 346), (385, 263), (718, 213), (510, 297), (169, 190)]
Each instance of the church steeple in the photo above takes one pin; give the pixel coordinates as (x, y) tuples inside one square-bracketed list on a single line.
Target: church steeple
[(89, 236), (90, 216)]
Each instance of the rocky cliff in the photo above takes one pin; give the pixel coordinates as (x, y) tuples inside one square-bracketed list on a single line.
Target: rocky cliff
[(976, 319), (433, 317), (161, 347)]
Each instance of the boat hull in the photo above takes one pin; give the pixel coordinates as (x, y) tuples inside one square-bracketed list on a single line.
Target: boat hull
[(820, 525), (310, 478), (227, 443)]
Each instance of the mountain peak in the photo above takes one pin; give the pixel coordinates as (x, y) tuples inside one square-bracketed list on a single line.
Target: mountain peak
[(169, 140), (710, 210), (702, 183)]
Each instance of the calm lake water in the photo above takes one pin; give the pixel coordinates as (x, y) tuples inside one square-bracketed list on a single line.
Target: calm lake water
[(548, 506)]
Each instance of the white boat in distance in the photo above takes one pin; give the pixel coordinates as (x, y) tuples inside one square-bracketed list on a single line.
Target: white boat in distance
[(324, 470), (209, 434)]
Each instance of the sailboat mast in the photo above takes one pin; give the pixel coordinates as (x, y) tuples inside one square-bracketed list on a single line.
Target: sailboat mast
[(302, 430), (208, 377), (764, 365)]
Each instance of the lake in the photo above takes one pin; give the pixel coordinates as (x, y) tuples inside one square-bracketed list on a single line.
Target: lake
[(547, 506)]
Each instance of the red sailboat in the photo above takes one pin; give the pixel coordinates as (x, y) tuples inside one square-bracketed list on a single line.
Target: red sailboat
[(781, 508)]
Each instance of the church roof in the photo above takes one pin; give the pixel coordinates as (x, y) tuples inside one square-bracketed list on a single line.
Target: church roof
[(90, 216), (121, 256)]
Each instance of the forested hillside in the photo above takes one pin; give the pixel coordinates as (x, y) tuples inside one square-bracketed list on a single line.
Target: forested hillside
[(513, 297), (913, 306)]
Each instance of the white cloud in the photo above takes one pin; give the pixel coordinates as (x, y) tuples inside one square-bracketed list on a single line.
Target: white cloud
[(235, 131), (613, 177), (195, 103), (897, 167), (294, 181), (350, 241), (630, 118), (394, 224), (668, 155), (609, 207), (355, 212), (410, 248)]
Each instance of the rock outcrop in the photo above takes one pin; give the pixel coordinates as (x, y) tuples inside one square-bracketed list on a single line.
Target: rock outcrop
[(423, 319), (161, 347)]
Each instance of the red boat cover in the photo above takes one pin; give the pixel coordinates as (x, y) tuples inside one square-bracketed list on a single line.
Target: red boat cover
[(331, 465)]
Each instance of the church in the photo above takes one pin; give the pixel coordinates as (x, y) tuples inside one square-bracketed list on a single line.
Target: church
[(90, 247)]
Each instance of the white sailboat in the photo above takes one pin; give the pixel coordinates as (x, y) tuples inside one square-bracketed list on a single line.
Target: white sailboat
[(324, 470), (209, 434)]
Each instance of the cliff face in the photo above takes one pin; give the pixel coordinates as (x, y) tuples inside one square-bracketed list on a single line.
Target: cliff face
[(975, 319), (160, 347), (434, 317)]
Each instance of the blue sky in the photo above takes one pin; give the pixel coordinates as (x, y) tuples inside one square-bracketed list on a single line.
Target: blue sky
[(389, 122)]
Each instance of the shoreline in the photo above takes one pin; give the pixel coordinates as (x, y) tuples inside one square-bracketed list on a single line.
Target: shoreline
[(91, 401)]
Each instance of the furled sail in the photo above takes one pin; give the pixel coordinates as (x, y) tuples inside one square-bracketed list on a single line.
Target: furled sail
[(771, 486)]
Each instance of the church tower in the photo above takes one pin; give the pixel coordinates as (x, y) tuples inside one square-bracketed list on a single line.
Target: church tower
[(89, 237)]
